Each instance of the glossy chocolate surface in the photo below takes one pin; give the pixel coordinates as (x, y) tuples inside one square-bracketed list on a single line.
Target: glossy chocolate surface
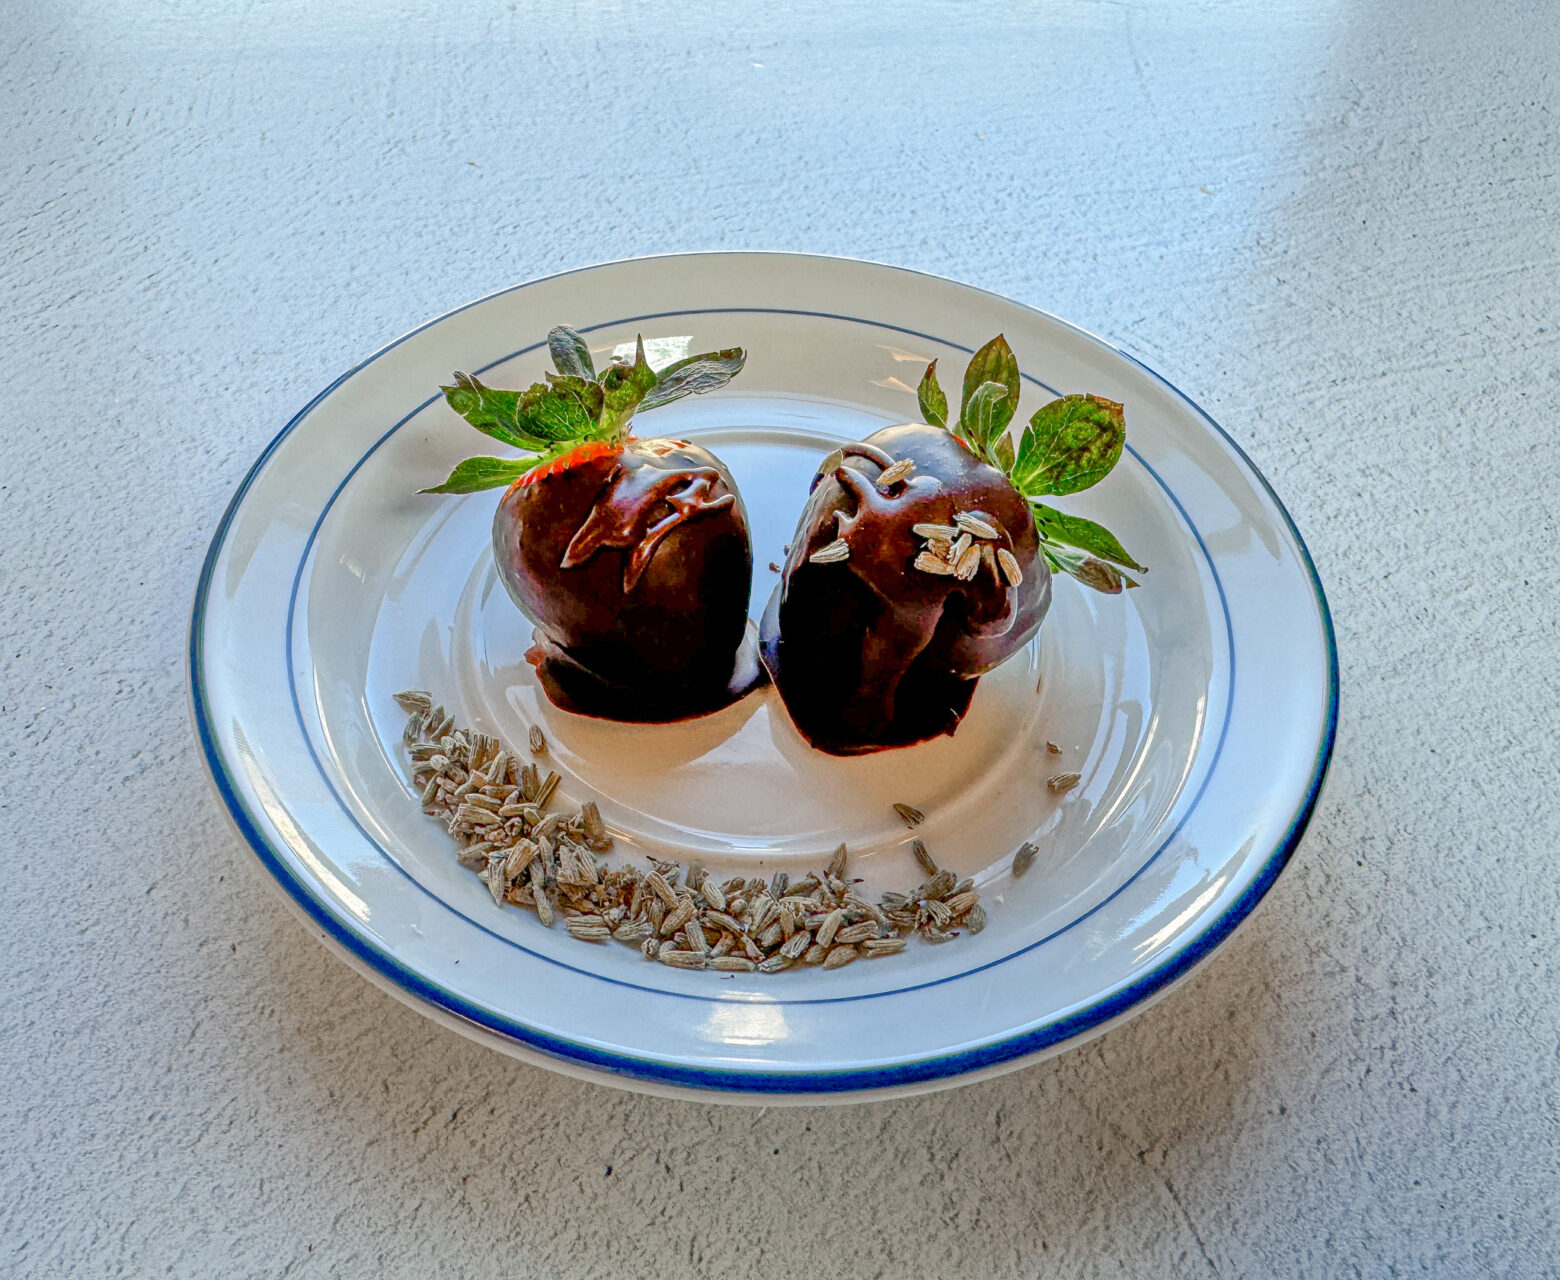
[(870, 652), (635, 568)]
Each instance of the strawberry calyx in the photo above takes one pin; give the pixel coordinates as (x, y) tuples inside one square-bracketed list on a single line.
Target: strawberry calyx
[(577, 456), (555, 424), (1069, 445)]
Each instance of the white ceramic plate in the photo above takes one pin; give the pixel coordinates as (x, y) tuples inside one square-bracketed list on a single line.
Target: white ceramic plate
[(1199, 709)]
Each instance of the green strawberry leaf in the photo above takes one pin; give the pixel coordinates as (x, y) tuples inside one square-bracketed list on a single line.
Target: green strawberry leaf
[(625, 386), (1075, 531), (570, 353), (934, 404), (1069, 445), (475, 474), (1087, 569), (983, 418), (491, 412), (694, 376), (545, 413), (572, 407), (565, 408), (994, 362)]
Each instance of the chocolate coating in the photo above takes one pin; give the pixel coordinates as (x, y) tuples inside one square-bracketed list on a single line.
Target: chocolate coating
[(635, 568), (870, 652)]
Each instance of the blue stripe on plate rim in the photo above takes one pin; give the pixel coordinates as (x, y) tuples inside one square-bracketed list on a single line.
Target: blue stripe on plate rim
[(918, 1071)]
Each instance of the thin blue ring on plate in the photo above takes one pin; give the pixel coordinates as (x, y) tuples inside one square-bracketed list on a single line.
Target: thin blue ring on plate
[(932, 1068)]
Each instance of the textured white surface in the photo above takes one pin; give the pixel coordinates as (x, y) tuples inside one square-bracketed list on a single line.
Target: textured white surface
[(1332, 224)]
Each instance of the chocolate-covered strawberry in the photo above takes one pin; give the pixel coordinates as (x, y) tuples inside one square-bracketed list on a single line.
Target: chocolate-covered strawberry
[(924, 557), (631, 557)]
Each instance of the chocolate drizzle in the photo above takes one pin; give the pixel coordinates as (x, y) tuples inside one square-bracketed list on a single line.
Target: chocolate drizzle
[(635, 568), (869, 652), (639, 507)]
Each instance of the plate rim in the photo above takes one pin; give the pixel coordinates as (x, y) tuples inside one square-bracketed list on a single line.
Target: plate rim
[(816, 1084)]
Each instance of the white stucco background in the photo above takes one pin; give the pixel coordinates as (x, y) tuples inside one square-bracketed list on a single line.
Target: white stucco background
[(1334, 224)]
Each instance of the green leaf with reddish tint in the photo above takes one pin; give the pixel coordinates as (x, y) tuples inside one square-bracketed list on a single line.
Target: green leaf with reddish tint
[(694, 376), (570, 354), (475, 474), (1070, 444), (934, 404), (994, 362), (1075, 531)]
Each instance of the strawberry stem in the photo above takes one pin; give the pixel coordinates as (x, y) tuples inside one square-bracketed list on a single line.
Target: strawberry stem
[(1069, 445)]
